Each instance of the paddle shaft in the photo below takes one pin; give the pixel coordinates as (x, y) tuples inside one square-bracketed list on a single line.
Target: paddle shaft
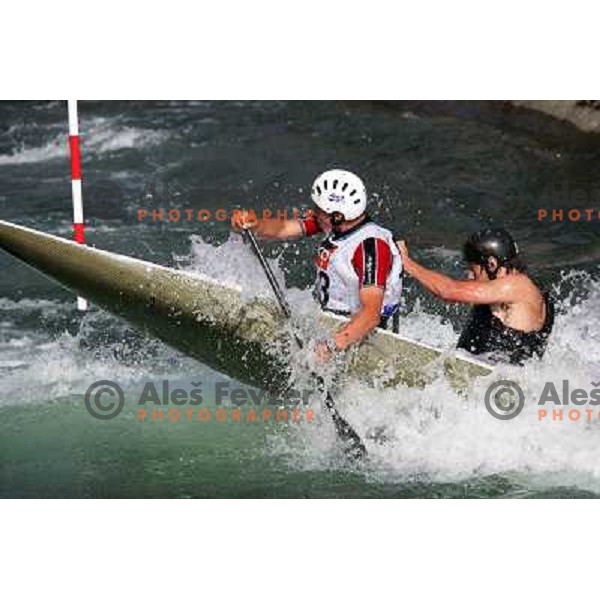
[(355, 449), (285, 307)]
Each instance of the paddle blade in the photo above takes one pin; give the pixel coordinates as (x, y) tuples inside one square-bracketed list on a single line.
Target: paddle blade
[(354, 449)]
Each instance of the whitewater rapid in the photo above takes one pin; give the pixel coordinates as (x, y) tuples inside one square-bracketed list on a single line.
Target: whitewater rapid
[(435, 434), (99, 135)]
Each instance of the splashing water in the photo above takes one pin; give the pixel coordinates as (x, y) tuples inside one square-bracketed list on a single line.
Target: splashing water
[(437, 433)]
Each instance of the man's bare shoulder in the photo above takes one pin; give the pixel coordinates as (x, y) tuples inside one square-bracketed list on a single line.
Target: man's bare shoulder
[(523, 284)]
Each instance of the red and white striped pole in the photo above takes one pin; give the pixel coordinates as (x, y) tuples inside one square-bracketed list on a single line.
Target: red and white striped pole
[(78, 225)]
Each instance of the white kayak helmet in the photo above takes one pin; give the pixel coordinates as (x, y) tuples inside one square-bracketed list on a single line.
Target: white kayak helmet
[(340, 191)]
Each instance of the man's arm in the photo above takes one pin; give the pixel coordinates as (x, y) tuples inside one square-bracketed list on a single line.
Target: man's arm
[(269, 229), (467, 292), (364, 321)]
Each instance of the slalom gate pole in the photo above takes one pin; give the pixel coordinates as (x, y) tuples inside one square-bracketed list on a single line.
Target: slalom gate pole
[(78, 224)]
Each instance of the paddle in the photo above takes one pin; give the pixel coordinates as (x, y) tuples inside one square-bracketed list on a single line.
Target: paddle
[(353, 446)]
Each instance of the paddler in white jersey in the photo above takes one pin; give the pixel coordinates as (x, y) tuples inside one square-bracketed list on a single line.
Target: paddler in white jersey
[(359, 268)]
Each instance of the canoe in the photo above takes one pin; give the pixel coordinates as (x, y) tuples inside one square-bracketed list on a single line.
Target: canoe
[(249, 340)]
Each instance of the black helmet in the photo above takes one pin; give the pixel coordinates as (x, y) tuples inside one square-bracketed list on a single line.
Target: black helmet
[(490, 242)]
